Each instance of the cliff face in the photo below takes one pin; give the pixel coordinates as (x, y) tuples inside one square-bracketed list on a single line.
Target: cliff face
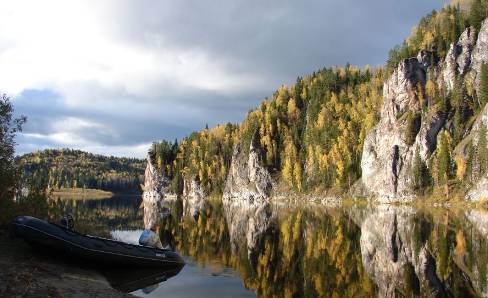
[(246, 196), (194, 198), (458, 59), (153, 195), (247, 180), (387, 153), (479, 191), (480, 54), (390, 148)]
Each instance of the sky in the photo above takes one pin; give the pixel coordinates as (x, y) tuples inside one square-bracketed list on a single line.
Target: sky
[(111, 77)]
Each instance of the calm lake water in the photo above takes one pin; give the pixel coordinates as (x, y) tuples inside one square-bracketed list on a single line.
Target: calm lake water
[(306, 251)]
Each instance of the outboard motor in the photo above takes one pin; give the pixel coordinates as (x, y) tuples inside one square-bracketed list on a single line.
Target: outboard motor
[(68, 221)]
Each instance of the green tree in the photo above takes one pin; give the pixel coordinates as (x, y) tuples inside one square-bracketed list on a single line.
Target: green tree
[(470, 162), (444, 159), (9, 126), (9, 174), (483, 93), (477, 13), (420, 174), (482, 150)]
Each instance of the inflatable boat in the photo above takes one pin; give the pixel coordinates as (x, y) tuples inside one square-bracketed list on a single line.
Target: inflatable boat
[(57, 238)]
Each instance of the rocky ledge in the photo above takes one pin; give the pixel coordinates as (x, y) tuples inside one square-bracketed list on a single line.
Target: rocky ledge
[(408, 129)]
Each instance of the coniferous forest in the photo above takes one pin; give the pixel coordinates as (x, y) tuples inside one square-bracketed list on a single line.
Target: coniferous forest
[(66, 168)]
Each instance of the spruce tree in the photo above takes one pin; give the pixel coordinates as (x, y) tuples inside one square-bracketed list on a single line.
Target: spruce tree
[(457, 100), (483, 93), (420, 173), (470, 162), (477, 13), (444, 159), (482, 150)]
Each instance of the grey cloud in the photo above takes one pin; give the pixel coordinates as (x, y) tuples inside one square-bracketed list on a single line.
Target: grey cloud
[(273, 40), (281, 39), (128, 121)]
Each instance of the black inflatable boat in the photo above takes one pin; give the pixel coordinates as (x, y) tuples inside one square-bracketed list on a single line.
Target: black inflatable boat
[(100, 250)]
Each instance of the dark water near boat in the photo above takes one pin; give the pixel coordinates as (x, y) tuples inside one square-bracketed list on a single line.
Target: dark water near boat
[(306, 251)]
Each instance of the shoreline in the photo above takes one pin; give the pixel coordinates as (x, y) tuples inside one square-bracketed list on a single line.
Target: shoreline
[(88, 193), (81, 193)]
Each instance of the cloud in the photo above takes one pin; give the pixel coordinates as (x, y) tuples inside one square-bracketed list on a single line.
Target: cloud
[(115, 75)]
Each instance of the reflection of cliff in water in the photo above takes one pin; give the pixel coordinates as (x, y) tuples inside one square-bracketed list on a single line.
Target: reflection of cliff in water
[(247, 225), (317, 251), (407, 253)]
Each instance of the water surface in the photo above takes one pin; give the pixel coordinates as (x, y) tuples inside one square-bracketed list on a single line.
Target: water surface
[(313, 251)]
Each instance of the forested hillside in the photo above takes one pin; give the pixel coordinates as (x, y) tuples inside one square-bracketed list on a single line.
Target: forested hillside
[(67, 168), (312, 133)]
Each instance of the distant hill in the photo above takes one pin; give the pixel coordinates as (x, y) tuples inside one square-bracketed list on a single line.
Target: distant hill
[(67, 168)]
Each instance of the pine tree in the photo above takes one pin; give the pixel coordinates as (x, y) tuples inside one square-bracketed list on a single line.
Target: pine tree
[(420, 173), (483, 93), (458, 103), (470, 162), (444, 159), (477, 13), (482, 151)]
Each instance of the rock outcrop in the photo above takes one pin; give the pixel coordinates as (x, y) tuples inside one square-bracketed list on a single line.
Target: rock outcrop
[(479, 191), (387, 153), (458, 58), (194, 198), (389, 149), (153, 195), (480, 54), (246, 196), (247, 180)]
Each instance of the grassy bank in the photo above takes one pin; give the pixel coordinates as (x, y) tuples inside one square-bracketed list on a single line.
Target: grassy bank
[(81, 193)]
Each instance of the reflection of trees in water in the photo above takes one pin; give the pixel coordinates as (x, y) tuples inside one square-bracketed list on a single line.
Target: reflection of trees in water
[(316, 251), (99, 217), (409, 252), (461, 252), (205, 239), (302, 253)]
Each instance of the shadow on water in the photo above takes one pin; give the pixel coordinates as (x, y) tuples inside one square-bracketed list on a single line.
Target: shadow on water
[(309, 251)]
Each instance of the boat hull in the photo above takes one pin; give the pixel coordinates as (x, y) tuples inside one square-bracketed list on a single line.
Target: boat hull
[(98, 250)]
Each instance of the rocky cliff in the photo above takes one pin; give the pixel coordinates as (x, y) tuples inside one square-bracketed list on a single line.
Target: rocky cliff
[(458, 59), (387, 153), (153, 195), (246, 195), (247, 180), (480, 54), (194, 198), (408, 124)]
